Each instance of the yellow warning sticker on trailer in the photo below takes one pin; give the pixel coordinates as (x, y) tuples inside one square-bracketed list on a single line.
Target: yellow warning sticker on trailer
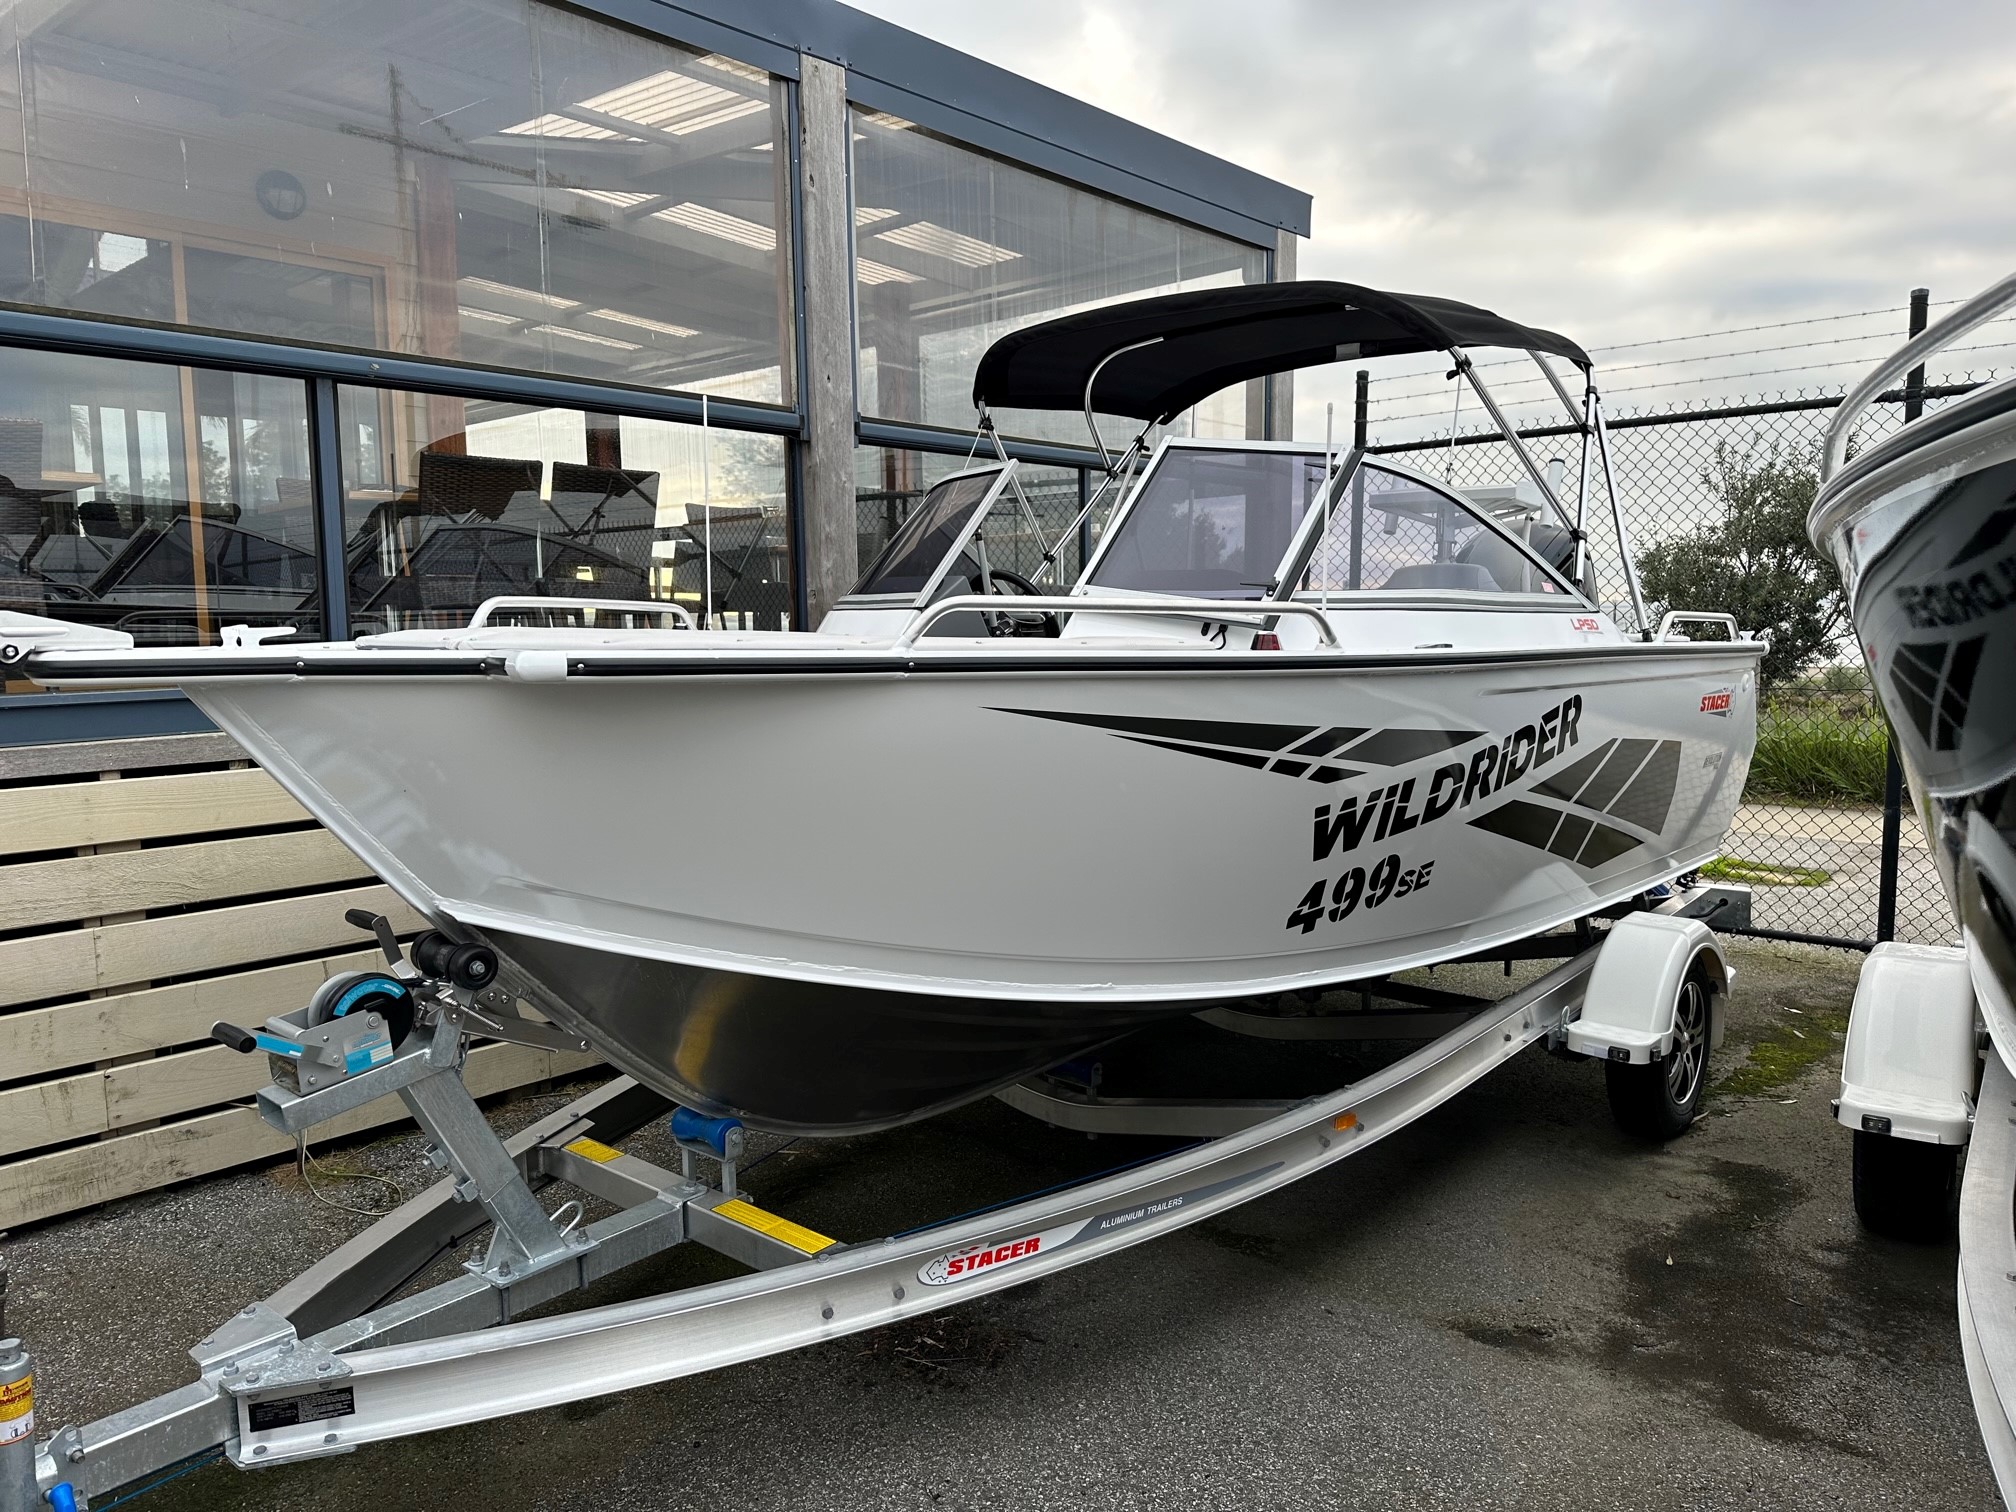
[(17, 1410), (593, 1149), (783, 1230)]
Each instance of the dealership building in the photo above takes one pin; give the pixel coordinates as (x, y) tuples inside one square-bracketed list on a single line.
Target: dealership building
[(350, 314)]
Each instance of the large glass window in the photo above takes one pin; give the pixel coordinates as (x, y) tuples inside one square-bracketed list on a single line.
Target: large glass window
[(162, 501), (954, 249), (449, 502), (889, 485), (1212, 523), (493, 181)]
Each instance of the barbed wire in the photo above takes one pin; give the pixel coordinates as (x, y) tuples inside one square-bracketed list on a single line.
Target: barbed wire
[(1633, 367), (1686, 409), (1776, 325), (1641, 388)]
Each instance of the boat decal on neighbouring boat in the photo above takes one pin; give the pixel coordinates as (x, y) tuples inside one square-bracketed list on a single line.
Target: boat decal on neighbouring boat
[(1934, 681), (1317, 753)]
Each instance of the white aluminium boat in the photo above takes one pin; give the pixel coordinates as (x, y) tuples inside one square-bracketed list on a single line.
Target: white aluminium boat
[(1922, 525), (1304, 719)]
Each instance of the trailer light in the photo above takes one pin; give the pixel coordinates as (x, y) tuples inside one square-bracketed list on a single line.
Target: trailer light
[(1619, 1053), (1344, 1121), (1875, 1123), (1266, 640)]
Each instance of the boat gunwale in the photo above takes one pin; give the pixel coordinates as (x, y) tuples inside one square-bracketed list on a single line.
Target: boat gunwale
[(603, 663)]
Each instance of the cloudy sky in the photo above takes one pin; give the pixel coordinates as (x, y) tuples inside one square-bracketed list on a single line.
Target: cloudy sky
[(1624, 172)]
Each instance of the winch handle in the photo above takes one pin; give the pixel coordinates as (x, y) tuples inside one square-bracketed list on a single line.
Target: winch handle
[(381, 928)]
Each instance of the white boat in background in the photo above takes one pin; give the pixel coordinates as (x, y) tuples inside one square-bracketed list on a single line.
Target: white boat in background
[(1304, 719), (1922, 525)]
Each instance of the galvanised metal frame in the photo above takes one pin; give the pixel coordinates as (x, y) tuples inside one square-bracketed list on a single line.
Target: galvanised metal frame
[(329, 1363)]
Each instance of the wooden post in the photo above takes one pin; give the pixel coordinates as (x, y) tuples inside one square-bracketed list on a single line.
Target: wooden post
[(827, 494)]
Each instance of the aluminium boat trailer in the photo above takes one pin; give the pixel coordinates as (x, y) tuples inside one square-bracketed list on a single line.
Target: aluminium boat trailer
[(345, 1356)]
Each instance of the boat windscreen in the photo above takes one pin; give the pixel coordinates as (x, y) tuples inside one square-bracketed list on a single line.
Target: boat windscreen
[(1393, 533), (1211, 523), (912, 556)]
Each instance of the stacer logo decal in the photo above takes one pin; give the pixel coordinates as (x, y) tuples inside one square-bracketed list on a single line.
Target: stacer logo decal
[(1718, 702), (962, 1265)]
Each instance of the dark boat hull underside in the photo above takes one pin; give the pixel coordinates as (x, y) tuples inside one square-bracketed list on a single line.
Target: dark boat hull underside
[(805, 1057)]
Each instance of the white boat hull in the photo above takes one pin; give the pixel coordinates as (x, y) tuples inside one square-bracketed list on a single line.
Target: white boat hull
[(975, 865)]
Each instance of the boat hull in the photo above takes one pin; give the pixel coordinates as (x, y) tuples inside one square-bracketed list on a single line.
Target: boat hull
[(1923, 528), (834, 897)]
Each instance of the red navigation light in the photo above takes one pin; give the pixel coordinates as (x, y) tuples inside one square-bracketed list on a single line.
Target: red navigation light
[(1266, 640)]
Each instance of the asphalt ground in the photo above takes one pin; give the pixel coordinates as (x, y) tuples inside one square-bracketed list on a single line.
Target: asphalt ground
[(1507, 1304)]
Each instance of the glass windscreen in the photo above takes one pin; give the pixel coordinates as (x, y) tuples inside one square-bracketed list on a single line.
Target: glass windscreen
[(912, 556), (1212, 523), (1393, 533)]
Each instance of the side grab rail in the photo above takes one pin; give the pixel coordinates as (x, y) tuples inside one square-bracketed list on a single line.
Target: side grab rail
[(1674, 617), (537, 601), (1983, 307), (992, 603)]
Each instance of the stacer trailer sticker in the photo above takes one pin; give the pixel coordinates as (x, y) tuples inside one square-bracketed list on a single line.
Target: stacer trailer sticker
[(964, 1264)]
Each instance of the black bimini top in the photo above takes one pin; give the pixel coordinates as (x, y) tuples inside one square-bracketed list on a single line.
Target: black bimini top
[(1212, 338)]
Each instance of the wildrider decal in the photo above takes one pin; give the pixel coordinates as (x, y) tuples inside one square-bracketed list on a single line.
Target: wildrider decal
[(1585, 812)]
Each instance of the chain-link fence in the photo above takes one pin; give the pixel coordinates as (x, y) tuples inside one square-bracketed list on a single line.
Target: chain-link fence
[(1715, 499)]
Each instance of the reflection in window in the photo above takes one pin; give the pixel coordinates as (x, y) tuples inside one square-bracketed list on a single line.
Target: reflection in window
[(487, 499), (954, 249), (114, 512), (1212, 523), (1391, 533), (888, 485), (485, 180)]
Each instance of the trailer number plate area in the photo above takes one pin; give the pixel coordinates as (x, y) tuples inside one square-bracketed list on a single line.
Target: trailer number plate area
[(783, 1230), (306, 1407)]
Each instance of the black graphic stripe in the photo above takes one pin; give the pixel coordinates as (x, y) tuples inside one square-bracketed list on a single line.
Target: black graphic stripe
[(1604, 844), (1622, 766), (1237, 758), (1224, 732), (1992, 532), (1397, 747), (1649, 798), (1566, 784), (1528, 823)]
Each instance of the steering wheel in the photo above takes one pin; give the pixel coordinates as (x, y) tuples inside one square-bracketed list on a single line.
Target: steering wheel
[(1030, 623)]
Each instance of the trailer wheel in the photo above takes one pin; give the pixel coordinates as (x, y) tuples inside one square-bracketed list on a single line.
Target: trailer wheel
[(1905, 1189), (1659, 1100)]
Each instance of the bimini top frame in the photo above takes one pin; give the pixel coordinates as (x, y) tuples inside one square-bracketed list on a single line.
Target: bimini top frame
[(1151, 359)]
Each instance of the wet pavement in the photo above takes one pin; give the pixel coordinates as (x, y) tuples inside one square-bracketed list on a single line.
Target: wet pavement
[(1508, 1304)]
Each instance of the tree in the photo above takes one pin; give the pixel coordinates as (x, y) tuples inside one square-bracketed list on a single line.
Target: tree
[(1755, 562)]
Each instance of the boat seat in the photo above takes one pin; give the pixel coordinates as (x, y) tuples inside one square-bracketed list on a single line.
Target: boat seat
[(1464, 576)]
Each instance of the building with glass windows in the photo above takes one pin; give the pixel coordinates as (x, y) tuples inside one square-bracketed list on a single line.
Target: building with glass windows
[(350, 314)]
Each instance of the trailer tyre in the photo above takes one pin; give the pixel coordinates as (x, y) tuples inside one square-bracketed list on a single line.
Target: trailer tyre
[(1905, 1189), (1659, 1100)]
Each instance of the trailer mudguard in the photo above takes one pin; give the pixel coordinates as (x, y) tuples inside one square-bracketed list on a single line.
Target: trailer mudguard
[(1627, 1015), (1913, 1056)]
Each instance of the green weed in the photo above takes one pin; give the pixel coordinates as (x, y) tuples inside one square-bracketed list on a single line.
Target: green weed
[(1764, 873)]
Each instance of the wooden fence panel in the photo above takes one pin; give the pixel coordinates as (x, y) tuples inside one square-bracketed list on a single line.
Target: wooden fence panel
[(108, 1086), (64, 815)]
